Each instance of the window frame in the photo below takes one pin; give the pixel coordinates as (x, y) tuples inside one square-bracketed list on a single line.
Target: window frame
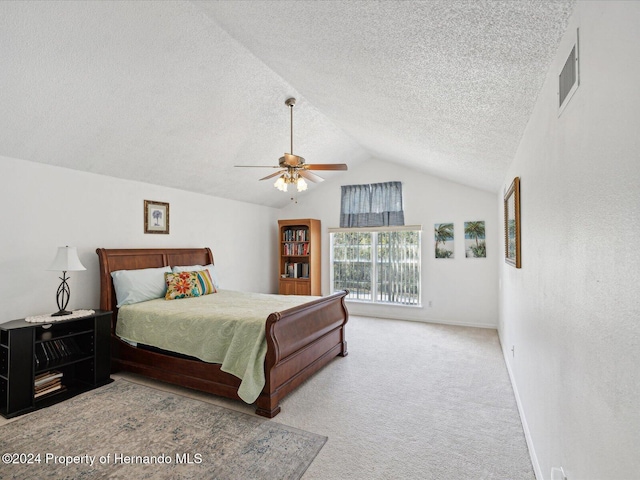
[(374, 261)]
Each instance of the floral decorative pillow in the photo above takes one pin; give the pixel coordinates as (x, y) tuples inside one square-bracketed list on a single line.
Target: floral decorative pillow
[(182, 285)]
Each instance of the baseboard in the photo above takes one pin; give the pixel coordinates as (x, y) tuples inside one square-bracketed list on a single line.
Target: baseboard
[(527, 434), (411, 318), (453, 323)]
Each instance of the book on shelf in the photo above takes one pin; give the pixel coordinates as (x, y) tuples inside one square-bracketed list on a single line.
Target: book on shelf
[(295, 235), (55, 346), (48, 382), (47, 353), (42, 355), (46, 377), (296, 249), (296, 269), (55, 350), (54, 385), (55, 388)]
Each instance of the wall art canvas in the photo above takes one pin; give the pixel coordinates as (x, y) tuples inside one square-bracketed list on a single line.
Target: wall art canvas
[(475, 245), (443, 235)]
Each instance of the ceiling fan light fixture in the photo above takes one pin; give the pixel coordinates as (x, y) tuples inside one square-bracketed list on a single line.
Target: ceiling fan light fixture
[(281, 184), (293, 167)]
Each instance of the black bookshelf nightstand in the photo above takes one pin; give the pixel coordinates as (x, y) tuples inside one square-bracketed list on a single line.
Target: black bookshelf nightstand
[(45, 363)]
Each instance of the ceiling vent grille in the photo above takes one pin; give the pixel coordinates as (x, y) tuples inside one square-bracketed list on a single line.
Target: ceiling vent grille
[(569, 78)]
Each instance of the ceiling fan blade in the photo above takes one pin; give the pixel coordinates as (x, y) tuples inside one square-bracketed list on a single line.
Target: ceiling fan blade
[(326, 166), (258, 166), (273, 175), (310, 176)]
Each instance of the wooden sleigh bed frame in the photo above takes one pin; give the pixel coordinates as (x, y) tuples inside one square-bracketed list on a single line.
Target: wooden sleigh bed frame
[(300, 340)]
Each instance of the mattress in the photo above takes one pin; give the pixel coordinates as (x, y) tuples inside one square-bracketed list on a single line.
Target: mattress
[(227, 327)]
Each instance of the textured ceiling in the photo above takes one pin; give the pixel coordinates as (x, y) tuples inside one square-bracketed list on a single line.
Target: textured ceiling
[(177, 93)]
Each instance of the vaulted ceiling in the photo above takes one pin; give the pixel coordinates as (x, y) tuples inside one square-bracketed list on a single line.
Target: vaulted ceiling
[(176, 93)]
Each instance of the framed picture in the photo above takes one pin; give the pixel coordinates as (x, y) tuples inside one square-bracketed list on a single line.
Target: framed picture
[(156, 217), (443, 236), (512, 224), (475, 245)]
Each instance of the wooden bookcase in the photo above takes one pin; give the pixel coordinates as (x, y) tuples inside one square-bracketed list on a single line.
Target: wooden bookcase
[(299, 257), (42, 364)]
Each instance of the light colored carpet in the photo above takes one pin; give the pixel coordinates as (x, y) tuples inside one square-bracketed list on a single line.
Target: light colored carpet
[(413, 401), (410, 401), (126, 430)]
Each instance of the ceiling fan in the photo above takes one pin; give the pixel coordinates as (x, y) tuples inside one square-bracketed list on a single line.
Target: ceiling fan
[(293, 169)]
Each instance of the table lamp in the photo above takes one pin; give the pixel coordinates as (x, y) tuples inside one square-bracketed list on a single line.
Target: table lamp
[(66, 261)]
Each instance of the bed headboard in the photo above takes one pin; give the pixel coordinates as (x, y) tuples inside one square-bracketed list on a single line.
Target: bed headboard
[(137, 258)]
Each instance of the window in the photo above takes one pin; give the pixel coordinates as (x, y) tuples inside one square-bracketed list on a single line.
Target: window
[(379, 265)]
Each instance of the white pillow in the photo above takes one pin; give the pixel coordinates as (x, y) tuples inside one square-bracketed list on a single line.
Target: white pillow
[(133, 286), (195, 268)]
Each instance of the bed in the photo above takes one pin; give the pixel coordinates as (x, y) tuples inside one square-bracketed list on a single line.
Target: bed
[(299, 340)]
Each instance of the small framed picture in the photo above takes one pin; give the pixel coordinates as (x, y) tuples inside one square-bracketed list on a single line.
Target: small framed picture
[(156, 217)]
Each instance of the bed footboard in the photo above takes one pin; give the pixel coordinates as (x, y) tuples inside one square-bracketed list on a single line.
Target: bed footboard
[(300, 341)]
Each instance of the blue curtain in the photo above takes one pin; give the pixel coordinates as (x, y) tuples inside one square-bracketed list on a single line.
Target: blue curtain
[(371, 205)]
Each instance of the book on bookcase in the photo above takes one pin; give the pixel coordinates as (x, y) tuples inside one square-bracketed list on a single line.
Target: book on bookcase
[(47, 382), (51, 351), (297, 269)]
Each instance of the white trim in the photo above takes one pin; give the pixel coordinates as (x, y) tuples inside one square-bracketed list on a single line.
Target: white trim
[(382, 304), (409, 318), (527, 433)]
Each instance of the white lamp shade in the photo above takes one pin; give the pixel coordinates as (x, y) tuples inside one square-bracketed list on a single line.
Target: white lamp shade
[(67, 260), (281, 184)]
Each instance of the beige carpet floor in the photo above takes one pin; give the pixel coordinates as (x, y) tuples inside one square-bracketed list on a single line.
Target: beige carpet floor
[(413, 401), (410, 401)]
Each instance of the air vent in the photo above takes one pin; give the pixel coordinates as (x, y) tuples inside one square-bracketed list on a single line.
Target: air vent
[(569, 78)]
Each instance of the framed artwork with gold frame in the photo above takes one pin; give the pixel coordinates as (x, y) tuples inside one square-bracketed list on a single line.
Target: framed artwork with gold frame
[(512, 224), (156, 217)]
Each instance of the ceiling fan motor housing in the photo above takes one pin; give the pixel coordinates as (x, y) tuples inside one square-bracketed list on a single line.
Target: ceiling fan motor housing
[(291, 160)]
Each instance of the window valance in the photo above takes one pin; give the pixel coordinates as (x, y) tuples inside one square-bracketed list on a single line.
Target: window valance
[(371, 205)]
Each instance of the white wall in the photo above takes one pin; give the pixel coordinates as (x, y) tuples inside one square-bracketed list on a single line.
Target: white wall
[(45, 207), (573, 310), (463, 291)]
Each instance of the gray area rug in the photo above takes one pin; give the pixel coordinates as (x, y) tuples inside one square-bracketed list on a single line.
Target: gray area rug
[(125, 430)]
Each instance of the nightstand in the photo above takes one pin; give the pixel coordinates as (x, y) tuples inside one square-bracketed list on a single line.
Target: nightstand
[(45, 363)]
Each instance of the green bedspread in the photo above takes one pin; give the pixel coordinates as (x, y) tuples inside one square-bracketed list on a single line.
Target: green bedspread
[(227, 327)]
